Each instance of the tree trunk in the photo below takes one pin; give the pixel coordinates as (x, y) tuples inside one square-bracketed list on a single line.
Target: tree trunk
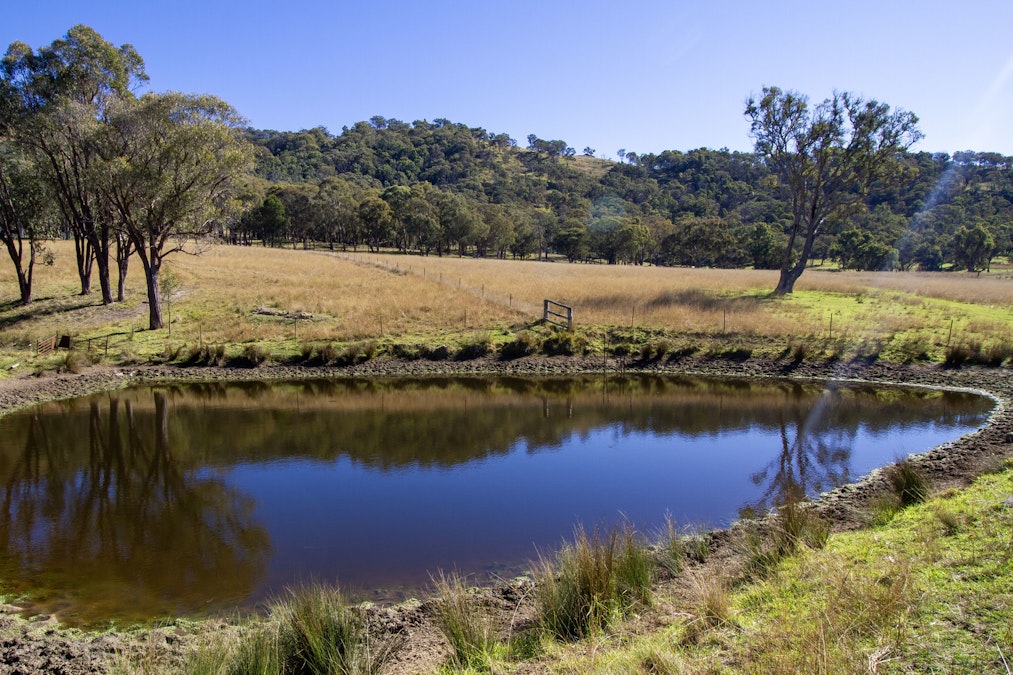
[(121, 283), (85, 256), (16, 252), (151, 270), (100, 244)]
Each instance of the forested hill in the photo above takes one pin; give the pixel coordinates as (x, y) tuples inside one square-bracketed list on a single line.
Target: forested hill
[(436, 187)]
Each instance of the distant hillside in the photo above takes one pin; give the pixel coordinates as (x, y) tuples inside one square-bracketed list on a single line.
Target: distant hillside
[(442, 186)]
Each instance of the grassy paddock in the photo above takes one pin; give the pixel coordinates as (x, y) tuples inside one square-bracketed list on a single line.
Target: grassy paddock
[(313, 304)]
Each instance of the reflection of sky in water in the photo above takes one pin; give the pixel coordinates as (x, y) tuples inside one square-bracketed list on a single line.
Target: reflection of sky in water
[(324, 516), (182, 499)]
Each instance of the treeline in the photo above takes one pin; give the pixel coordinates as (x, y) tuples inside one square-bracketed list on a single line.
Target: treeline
[(144, 177), (442, 187)]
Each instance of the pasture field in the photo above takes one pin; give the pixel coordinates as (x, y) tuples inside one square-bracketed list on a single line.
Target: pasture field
[(285, 303)]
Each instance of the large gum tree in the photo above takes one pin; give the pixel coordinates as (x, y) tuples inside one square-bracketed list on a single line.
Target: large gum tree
[(825, 157), (170, 162), (59, 96)]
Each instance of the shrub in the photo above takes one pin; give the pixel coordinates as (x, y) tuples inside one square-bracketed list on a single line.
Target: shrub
[(592, 581)]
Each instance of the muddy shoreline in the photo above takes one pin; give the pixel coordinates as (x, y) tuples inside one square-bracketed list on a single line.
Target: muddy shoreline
[(40, 644)]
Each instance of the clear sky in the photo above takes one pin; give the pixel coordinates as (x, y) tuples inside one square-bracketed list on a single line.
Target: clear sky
[(644, 75)]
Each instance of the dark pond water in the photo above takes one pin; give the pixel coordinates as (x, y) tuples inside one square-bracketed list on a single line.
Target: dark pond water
[(197, 498)]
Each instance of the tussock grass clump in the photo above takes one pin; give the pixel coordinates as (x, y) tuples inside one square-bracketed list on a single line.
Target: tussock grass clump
[(252, 356), (400, 350), (764, 544), (907, 482), (976, 353), (439, 353), (676, 546), (593, 581), (672, 547), (733, 353), (206, 355), (312, 631), (357, 352), (475, 348), (711, 600), (466, 630), (563, 343), (525, 344), (319, 355)]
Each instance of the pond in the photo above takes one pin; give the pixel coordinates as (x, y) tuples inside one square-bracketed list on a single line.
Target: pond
[(175, 500)]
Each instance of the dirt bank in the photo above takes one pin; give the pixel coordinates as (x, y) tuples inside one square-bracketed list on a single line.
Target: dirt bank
[(39, 644)]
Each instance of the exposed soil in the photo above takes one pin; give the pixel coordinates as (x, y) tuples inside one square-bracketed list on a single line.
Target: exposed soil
[(40, 644)]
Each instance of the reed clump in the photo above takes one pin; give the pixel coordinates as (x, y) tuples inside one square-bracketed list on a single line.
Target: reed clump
[(311, 631), (907, 482), (465, 629), (593, 581)]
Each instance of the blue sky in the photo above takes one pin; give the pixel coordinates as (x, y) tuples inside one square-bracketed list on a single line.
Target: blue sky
[(643, 75)]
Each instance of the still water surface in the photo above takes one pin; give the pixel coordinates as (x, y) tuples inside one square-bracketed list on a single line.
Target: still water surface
[(185, 499)]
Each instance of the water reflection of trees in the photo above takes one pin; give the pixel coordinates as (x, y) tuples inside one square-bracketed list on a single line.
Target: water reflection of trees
[(444, 422), (815, 456), (113, 512), (114, 488)]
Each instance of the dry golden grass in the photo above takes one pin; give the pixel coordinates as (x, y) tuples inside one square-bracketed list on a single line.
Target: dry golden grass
[(690, 300), (288, 298)]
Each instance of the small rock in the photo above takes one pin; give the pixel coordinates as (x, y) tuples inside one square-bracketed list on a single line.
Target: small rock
[(1008, 502)]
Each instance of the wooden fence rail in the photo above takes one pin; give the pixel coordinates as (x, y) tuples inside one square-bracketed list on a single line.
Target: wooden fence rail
[(45, 345), (558, 314)]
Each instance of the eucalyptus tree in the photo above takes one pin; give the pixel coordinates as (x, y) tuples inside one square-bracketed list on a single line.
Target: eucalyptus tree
[(26, 218), (170, 164), (60, 96), (826, 158)]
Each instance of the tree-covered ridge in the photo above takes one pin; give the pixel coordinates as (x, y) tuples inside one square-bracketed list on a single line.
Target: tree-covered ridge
[(438, 187)]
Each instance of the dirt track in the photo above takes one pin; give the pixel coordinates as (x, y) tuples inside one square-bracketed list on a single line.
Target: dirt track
[(39, 644)]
